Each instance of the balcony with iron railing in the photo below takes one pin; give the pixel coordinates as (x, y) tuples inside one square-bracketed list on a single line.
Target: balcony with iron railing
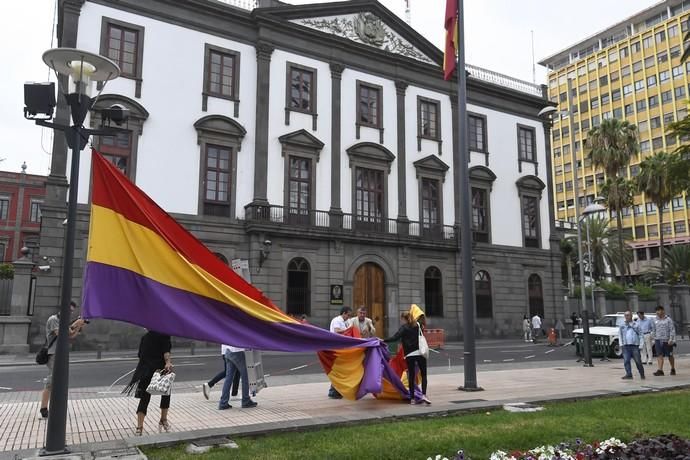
[(295, 219)]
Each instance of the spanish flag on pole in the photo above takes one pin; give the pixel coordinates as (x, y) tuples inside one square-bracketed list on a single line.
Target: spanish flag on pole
[(451, 49)]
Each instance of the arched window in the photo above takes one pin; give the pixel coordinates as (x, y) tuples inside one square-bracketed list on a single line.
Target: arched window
[(433, 292), (482, 294), (536, 296), (221, 257), (298, 293)]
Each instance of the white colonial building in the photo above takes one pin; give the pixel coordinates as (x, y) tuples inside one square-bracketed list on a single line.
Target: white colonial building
[(328, 130)]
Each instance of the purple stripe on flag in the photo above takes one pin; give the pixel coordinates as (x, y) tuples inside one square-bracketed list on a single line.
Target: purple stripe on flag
[(120, 294)]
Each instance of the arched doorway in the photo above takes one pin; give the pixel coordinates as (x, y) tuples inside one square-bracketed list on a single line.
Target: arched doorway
[(536, 296), (370, 291)]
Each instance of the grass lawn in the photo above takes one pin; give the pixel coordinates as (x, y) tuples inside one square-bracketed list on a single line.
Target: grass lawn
[(479, 434)]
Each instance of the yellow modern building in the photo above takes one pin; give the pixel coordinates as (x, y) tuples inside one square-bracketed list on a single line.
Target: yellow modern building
[(630, 71)]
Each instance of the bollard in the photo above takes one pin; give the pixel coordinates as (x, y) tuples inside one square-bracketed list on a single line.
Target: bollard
[(99, 350), (191, 348)]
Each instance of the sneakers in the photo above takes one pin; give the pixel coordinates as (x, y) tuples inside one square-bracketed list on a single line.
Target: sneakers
[(224, 407), (206, 389), (659, 372), (414, 402), (673, 371), (426, 400), (626, 377), (44, 412), (642, 377), (251, 404)]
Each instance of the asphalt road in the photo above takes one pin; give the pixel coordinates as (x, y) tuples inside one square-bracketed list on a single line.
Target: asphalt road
[(281, 368)]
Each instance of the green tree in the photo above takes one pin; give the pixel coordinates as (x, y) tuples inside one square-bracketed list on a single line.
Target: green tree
[(613, 144), (618, 193), (677, 263), (601, 237), (681, 169), (659, 182)]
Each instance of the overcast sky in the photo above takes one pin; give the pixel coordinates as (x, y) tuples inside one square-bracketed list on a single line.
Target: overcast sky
[(498, 37)]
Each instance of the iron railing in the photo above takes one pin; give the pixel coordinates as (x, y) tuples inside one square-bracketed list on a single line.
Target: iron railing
[(504, 80), (311, 218)]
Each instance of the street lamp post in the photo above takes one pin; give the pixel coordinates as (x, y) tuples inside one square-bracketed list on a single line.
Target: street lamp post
[(548, 111), (82, 68), (591, 209)]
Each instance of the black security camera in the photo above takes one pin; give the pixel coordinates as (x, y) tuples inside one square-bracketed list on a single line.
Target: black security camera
[(117, 113)]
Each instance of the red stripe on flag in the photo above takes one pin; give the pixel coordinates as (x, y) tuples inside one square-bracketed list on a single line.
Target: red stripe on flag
[(451, 26)]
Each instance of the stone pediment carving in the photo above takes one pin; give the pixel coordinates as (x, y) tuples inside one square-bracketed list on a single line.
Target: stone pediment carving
[(530, 183), (482, 173), (431, 165), (366, 28), (302, 139), (220, 127)]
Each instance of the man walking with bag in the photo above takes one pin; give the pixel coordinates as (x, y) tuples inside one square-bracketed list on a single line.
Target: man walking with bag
[(52, 326), (235, 362)]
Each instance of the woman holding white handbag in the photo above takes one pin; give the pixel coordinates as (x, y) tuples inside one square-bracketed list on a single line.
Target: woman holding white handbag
[(415, 347), (154, 358)]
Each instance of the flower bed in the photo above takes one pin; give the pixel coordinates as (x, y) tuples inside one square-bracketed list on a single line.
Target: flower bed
[(661, 447)]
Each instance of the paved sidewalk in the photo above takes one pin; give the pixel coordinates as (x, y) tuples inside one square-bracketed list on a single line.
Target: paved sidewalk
[(99, 420)]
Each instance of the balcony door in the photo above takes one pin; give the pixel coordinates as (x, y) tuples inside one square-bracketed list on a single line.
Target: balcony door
[(369, 291), (300, 190)]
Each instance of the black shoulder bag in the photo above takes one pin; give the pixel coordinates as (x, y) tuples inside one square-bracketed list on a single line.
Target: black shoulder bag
[(42, 356)]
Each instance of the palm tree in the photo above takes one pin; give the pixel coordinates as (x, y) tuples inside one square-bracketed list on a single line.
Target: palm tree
[(677, 263), (618, 194), (613, 144), (598, 239), (658, 181)]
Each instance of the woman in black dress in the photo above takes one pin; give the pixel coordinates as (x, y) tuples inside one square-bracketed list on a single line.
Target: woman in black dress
[(154, 354)]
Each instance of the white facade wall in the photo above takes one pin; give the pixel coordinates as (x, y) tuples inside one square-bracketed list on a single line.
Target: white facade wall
[(506, 220), (168, 156)]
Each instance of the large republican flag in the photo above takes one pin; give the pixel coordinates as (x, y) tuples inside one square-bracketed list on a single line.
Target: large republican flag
[(451, 49), (144, 268)]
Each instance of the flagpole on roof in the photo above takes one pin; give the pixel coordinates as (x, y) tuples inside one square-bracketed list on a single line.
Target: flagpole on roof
[(468, 301)]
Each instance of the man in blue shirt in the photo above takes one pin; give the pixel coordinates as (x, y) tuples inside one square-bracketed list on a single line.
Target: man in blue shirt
[(629, 333), (646, 328)]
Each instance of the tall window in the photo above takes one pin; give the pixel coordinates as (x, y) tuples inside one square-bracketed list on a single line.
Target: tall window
[(118, 150), (477, 133), (2, 252), (482, 290), (35, 213), (220, 79), (536, 296), (369, 199), (431, 214), (298, 294), (433, 292), (301, 89), (428, 119), (480, 215), (369, 113), (122, 47), (299, 199), (4, 207), (217, 178), (526, 144), (530, 221)]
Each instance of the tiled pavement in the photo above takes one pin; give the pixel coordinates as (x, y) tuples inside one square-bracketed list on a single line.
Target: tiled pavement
[(99, 418)]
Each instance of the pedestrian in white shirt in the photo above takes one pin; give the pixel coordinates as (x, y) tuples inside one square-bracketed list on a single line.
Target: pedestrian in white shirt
[(339, 324), (536, 327)]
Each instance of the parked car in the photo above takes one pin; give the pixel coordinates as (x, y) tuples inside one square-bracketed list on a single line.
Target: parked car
[(606, 326)]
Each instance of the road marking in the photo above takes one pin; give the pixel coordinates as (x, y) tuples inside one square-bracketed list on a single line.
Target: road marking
[(549, 351), (5, 388), (508, 360), (487, 360), (189, 364), (529, 357), (298, 367)]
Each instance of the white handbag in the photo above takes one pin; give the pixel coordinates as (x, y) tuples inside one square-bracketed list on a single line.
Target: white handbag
[(161, 383), (423, 346)]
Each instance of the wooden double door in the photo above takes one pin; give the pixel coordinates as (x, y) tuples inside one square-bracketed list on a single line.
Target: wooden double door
[(370, 291)]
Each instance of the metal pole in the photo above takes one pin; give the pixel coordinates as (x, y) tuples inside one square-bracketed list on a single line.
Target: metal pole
[(57, 415), (576, 182), (591, 266), (469, 349)]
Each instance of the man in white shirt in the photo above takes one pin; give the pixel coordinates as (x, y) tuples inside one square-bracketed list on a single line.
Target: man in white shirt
[(364, 324), (339, 324), (536, 327), (235, 362)]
